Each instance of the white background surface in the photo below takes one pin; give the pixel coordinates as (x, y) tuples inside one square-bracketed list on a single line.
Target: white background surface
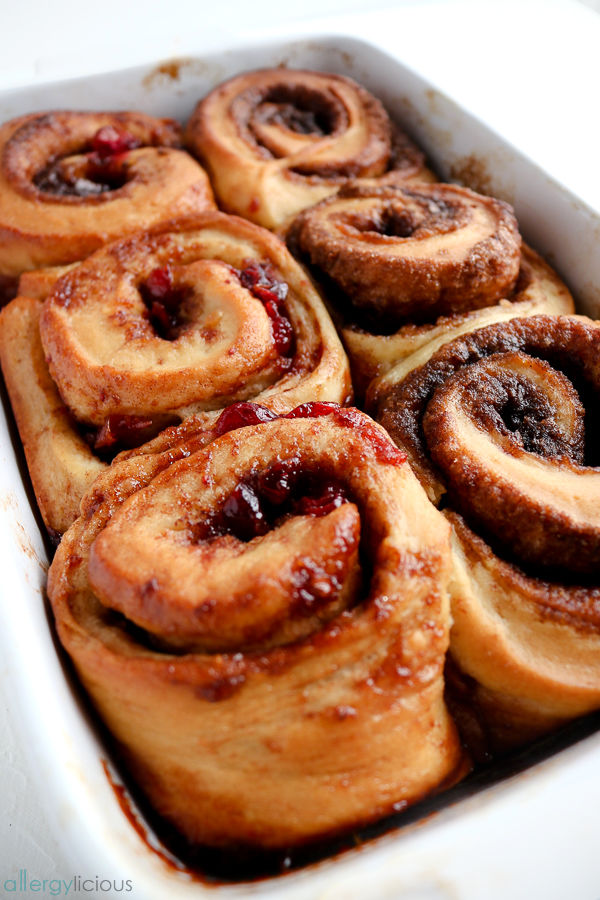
[(530, 69)]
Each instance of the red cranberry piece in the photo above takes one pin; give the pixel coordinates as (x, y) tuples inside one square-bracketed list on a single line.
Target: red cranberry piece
[(384, 447), (352, 417), (243, 513), (249, 277), (108, 172), (163, 302), (238, 415), (274, 293), (271, 292), (160, 282), (163, 322), (123, 430), (258, 278), (331, 497), (275, 484), (264, 294), (313, 409), (252, 275), (109, 141), (283, 333)]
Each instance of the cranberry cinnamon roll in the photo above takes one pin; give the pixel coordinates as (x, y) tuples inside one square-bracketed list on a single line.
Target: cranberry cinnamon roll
[(262, 626), (278, 140), (162, 328), (499, 427), (72, 181), (409, 265)]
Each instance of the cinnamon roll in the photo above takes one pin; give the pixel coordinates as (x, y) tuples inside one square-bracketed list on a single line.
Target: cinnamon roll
[(276, 141), (72, 181), (162, 328), (262, 625), (408, 266), (499, 427)]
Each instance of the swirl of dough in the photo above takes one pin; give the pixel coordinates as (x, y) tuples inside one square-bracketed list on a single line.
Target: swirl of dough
[(154, 335), (278, 140), (412, 252), (495, 426), (262, 625), (72, 181), (186, 320)]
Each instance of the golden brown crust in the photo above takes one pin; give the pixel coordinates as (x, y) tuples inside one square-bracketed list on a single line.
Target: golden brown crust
[(278, 140), (494, 424), (314, 732), (412, 252), (38, 283), (60, 200)]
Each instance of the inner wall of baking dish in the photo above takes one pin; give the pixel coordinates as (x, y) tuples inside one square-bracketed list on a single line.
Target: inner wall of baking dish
[(459, 147)]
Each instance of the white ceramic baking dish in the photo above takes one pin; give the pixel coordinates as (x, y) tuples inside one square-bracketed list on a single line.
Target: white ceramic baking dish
[(528, 829)]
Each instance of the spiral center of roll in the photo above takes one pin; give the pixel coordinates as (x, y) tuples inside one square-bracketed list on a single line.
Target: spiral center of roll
[(416, 216), (507, 431), (288, 531), (269, 498), (294, 118), (528, 402), (288, 111), (388, 221), (101, 166), (163, 300), (530, 418), (82, 176)]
